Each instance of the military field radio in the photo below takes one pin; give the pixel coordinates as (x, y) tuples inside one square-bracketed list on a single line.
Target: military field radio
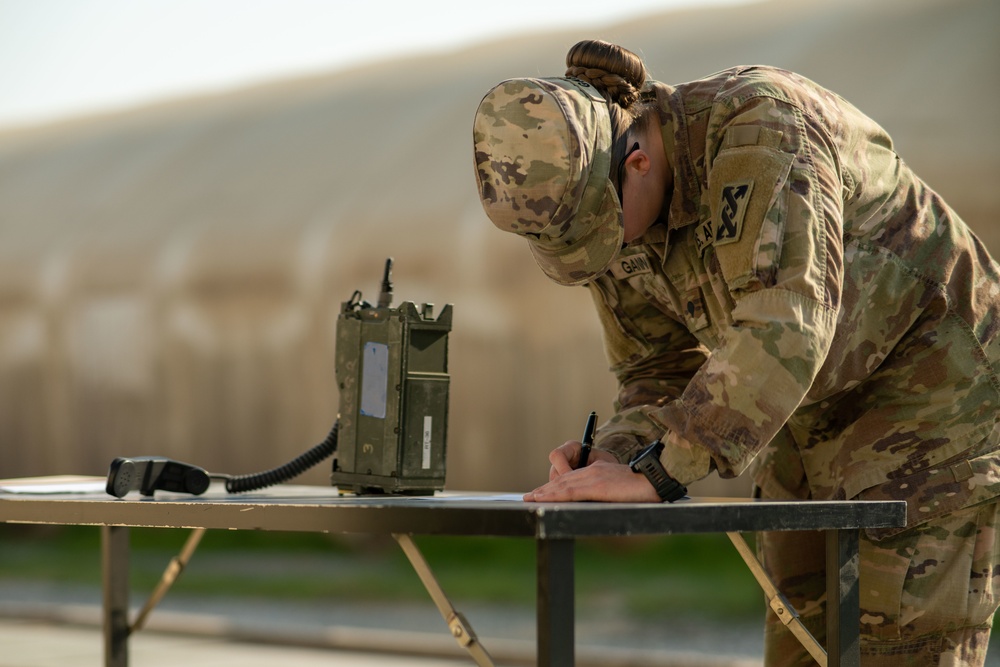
[(392, 373), (391, 367)]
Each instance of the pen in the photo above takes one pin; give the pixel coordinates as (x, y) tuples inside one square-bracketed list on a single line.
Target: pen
[(588, 439)]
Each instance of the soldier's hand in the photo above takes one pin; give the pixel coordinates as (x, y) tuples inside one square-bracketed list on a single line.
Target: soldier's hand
[(565, 457), (601, 480)]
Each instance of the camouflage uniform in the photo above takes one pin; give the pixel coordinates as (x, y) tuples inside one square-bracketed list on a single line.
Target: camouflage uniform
[(811, 305)]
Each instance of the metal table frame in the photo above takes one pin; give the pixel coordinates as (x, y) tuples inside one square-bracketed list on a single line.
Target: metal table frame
[(554, 527)]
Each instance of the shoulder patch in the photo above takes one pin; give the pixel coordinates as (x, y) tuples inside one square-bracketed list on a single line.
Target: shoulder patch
[(732, 208), (747, 186), (629, 266)]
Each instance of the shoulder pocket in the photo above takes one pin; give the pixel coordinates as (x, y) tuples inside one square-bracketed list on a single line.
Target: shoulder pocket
[(747, 198)]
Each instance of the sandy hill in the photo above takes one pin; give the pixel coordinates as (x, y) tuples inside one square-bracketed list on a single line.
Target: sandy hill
[(170, 276)]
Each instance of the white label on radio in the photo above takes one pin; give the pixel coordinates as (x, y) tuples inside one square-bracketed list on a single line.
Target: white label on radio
[(427, 441)]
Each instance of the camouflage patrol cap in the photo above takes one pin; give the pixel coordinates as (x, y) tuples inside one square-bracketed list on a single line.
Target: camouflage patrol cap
[(543, 156)]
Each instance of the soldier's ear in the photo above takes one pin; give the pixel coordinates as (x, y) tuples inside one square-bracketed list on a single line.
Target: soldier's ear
[(638, 163)]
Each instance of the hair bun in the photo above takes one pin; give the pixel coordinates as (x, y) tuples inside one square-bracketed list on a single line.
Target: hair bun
[(617, 72)]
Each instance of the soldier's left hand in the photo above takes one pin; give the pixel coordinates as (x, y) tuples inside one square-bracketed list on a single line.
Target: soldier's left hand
[(602, 481)]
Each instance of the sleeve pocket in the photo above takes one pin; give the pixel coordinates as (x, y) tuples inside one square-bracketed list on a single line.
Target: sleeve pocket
[(748, 200)]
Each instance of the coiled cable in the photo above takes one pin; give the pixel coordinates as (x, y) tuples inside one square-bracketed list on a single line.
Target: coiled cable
[(295, 467)]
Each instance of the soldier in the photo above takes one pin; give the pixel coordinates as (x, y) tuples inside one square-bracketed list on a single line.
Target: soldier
[(776, 287)]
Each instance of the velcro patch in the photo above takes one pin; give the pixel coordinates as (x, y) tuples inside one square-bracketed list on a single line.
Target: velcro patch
[(629, 266), (744, 187), (732, 208)]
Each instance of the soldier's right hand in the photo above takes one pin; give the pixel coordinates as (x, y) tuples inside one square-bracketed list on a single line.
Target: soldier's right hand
[(565, 457)]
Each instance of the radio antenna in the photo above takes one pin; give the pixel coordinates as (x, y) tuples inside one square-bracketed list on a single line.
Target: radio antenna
[(385, 296)]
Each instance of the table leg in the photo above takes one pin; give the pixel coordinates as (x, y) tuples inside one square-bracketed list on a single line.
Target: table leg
[(115, 573), (460, 628), (555, 603), (843, 615)]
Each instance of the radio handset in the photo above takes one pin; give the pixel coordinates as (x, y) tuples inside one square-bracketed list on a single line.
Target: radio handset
[(155, 473)]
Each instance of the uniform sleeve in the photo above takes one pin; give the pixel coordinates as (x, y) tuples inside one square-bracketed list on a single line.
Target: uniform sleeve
[(652, 357), (774, 235)]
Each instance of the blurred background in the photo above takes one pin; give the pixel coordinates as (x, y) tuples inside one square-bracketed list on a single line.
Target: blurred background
[(189, 190)]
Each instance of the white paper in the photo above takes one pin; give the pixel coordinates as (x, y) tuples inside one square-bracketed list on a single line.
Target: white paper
[(495, 497), (54, 484)]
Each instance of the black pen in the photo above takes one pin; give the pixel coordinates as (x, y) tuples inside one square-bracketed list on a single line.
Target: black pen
[(588, 439)]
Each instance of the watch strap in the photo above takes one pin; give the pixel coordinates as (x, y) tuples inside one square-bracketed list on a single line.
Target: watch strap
[(648, 463)]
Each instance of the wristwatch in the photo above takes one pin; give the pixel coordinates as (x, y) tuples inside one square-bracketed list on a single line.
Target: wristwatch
[(648, 463)]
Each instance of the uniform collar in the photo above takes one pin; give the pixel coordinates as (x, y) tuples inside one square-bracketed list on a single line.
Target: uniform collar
[(685, 200), (686, 196), (657, 233)]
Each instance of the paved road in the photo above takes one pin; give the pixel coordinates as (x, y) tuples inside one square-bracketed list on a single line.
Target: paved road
[(37, 644), (55, 626)]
